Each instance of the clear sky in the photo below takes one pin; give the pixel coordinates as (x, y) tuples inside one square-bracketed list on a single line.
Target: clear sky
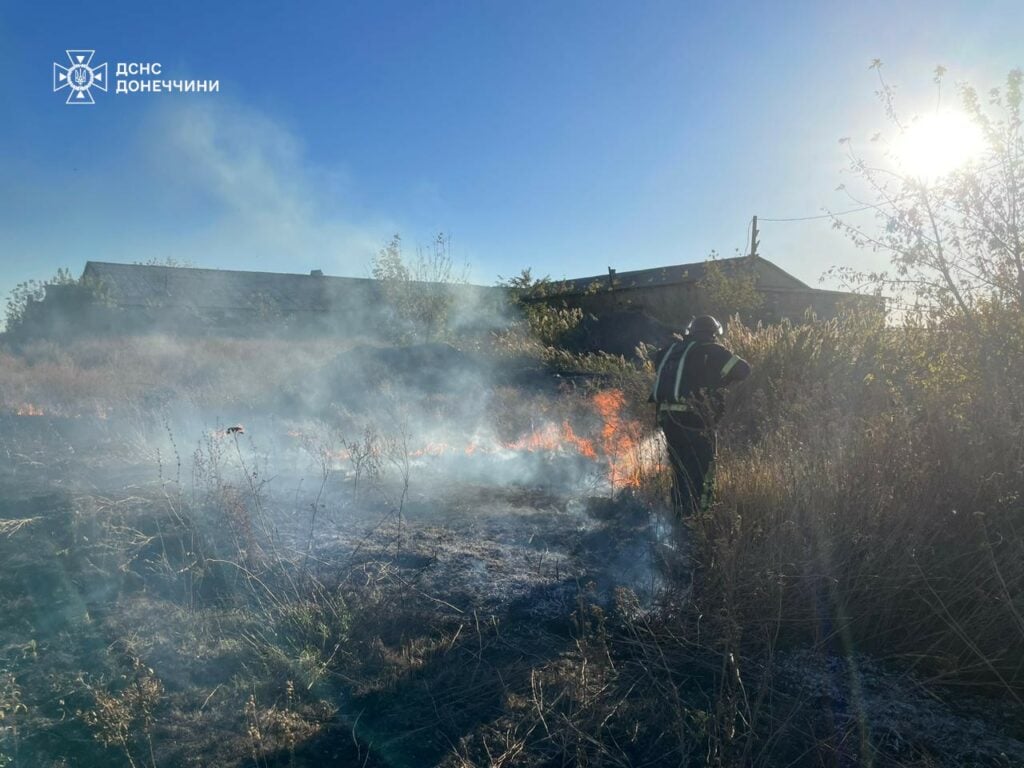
[(564, 136)]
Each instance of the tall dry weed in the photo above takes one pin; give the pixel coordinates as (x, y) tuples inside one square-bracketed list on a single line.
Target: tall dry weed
[(869, 495)]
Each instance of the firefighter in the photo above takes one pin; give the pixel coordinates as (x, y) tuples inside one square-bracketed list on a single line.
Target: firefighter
[(689, 393)]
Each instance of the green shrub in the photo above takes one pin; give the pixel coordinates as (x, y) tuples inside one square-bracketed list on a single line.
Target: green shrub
[(24, 294), (545, 323)]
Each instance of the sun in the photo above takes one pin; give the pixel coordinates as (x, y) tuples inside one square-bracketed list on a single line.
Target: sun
[(937, 144)]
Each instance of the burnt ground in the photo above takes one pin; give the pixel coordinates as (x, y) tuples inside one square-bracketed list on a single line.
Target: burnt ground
[(156, 614), (504, 575), (454, 588)]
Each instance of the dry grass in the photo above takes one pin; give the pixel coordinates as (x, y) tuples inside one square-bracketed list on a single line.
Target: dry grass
[(877, 507), (92, 376), (865, 532), (862, 561), (10, 527)]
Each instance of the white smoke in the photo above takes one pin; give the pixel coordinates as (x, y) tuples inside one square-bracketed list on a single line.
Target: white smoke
[(270, 207)]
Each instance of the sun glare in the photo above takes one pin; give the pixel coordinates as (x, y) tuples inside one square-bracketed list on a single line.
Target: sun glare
[(938, 144)]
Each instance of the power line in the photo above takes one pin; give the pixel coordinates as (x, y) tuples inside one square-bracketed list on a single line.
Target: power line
[(819, 216), (863, 207)]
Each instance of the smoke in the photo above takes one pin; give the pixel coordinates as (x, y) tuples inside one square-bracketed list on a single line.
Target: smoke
[(444, 417), (254, 196), (209, 182), (430, 419)]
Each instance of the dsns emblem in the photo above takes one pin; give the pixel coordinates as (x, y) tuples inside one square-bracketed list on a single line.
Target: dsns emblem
[(80, 77)]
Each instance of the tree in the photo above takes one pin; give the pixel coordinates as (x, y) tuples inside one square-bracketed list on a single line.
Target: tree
[(955, 241), (535, 298), (420, 292), (23, 295), (726, 293)]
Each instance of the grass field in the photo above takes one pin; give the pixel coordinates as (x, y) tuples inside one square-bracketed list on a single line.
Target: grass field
[(478, 569)]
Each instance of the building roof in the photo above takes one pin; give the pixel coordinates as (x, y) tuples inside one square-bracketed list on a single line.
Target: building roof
[(679, 273), (145, 285), (149, 286)]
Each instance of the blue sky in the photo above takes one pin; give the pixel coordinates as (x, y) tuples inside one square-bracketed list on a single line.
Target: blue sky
[(564, 136)]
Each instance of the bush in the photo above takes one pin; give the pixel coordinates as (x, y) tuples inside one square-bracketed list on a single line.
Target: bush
[(732, 292), (545, 323), (24, 294)]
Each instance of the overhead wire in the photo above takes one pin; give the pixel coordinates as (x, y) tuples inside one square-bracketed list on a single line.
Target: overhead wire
[(851, 210), (819, 216)]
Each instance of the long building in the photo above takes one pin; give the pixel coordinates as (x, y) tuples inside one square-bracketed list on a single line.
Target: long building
[(115, 298), (675, 294)]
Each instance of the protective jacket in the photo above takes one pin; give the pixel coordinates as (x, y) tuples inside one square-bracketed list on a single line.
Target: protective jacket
[(689, 390), (690, 378)]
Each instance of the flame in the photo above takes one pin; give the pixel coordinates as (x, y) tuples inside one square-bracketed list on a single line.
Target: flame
[(96, 410), (620, 442), (582, 445), (629, 454), (431, 449)]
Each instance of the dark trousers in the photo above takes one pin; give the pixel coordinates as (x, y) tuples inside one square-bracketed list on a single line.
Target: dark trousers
[(691, 452)]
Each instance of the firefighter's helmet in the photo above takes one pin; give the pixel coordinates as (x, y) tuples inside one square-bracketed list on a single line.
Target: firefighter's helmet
[(704, 325)]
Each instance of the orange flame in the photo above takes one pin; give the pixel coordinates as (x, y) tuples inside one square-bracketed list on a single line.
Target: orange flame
[(621, 442), (431, 449), (583, 446), (96, 410)]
